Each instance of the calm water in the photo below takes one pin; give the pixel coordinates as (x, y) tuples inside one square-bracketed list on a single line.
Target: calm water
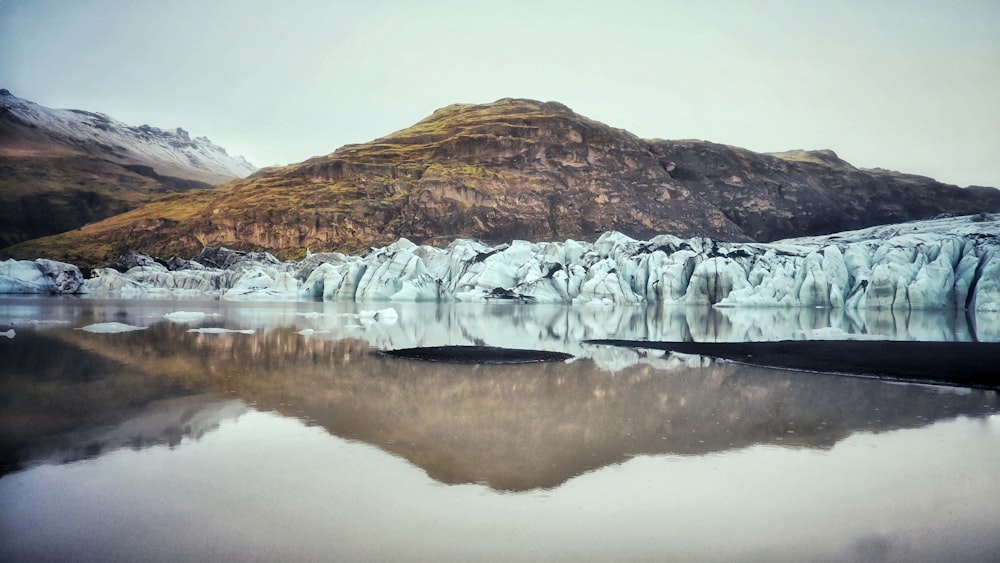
[(299, 442)]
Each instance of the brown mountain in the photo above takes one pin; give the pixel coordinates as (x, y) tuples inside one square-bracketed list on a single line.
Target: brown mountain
[(518, 169), (61, 169)]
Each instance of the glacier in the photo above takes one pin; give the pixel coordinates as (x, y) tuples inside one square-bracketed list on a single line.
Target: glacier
[(945, 263)]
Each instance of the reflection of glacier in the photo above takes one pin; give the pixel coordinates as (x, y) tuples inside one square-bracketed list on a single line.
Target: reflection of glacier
[(564, 328), (949, 263)]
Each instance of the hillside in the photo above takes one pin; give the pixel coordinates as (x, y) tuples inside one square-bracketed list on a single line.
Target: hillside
[(518, 169), (61, 169)]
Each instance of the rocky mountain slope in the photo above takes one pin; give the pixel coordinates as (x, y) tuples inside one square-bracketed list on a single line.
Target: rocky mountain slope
[(60, 169), (518, 169)]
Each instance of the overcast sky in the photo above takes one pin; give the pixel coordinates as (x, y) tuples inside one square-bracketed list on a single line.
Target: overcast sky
[(908, 85)]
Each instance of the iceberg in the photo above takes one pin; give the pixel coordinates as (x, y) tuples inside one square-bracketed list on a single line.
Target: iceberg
[(187, 316), (938, 264), (111, 328), (40, 276), (219, 330)]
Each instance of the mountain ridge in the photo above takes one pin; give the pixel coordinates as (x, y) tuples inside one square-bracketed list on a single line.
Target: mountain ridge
[(173, 153), (519, 169), (61, 169)]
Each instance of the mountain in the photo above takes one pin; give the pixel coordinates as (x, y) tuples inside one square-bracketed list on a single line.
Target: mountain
[(520, 169), (60, 169)]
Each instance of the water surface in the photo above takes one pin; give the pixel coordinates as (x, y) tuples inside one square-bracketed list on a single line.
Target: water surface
[(299, 442)]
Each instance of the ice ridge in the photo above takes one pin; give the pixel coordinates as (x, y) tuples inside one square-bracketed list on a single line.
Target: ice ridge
[(935, 264)]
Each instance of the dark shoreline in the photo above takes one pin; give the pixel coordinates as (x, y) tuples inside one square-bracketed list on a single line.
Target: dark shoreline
[(965, 364)]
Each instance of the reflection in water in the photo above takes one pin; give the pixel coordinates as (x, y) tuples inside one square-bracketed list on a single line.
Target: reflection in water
[(62, 403), (272, 445), (511, 427)]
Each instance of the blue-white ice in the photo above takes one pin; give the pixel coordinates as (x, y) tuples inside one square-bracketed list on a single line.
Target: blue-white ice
[(111, 328), (220, 330), (951, 263), (39, 276)]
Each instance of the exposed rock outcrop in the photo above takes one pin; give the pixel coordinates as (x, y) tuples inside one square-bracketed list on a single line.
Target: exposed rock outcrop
[(520, 169)]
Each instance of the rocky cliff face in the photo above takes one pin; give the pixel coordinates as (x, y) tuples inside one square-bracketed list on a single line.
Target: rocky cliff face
[(527, 170), (799, 193), (60, 169)]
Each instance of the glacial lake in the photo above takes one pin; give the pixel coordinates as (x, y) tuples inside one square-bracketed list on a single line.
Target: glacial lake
[(280, 434)]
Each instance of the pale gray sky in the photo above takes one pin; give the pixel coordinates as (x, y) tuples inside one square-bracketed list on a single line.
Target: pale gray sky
[(909, 85)]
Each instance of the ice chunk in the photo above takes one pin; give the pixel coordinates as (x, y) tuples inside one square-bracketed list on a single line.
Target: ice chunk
[(185, 316), (111, 328), (387, 315), (40, 276), (263, 283), (218, 330)]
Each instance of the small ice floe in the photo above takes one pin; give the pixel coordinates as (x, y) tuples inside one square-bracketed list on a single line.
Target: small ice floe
[(307, 332), (8, 334), (219, 330), (111, 328), (188, 316), (311, 315), (387, 315)]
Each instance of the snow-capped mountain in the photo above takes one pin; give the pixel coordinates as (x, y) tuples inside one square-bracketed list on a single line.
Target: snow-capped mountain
[(169, 153), (62, 169)]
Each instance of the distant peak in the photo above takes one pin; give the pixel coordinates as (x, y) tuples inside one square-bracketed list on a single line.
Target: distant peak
[(504, 106), (552, 106), (5, 92)]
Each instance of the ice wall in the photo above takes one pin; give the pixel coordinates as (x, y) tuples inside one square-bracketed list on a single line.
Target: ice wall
[(937, 264)]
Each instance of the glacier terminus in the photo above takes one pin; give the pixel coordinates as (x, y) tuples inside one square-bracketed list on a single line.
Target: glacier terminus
[(946, 263)]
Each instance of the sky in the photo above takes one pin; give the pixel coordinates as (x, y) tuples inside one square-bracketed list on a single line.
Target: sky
[(912, 86)]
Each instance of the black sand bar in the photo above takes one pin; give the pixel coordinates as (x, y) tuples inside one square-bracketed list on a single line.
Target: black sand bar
[(966, 364), (478, 355)]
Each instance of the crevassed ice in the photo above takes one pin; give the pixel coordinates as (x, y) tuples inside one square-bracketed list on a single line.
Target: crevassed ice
[(942, 263)]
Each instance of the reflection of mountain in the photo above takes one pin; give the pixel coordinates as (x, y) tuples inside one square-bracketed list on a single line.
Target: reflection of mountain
[(61, 403), (519, 427)]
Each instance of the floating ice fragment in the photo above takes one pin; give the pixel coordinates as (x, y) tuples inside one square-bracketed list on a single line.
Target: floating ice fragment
[(185, 316), (8, 334), (218, 330), (310, 315), (388, 315), (111, 328), (307, 332)]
